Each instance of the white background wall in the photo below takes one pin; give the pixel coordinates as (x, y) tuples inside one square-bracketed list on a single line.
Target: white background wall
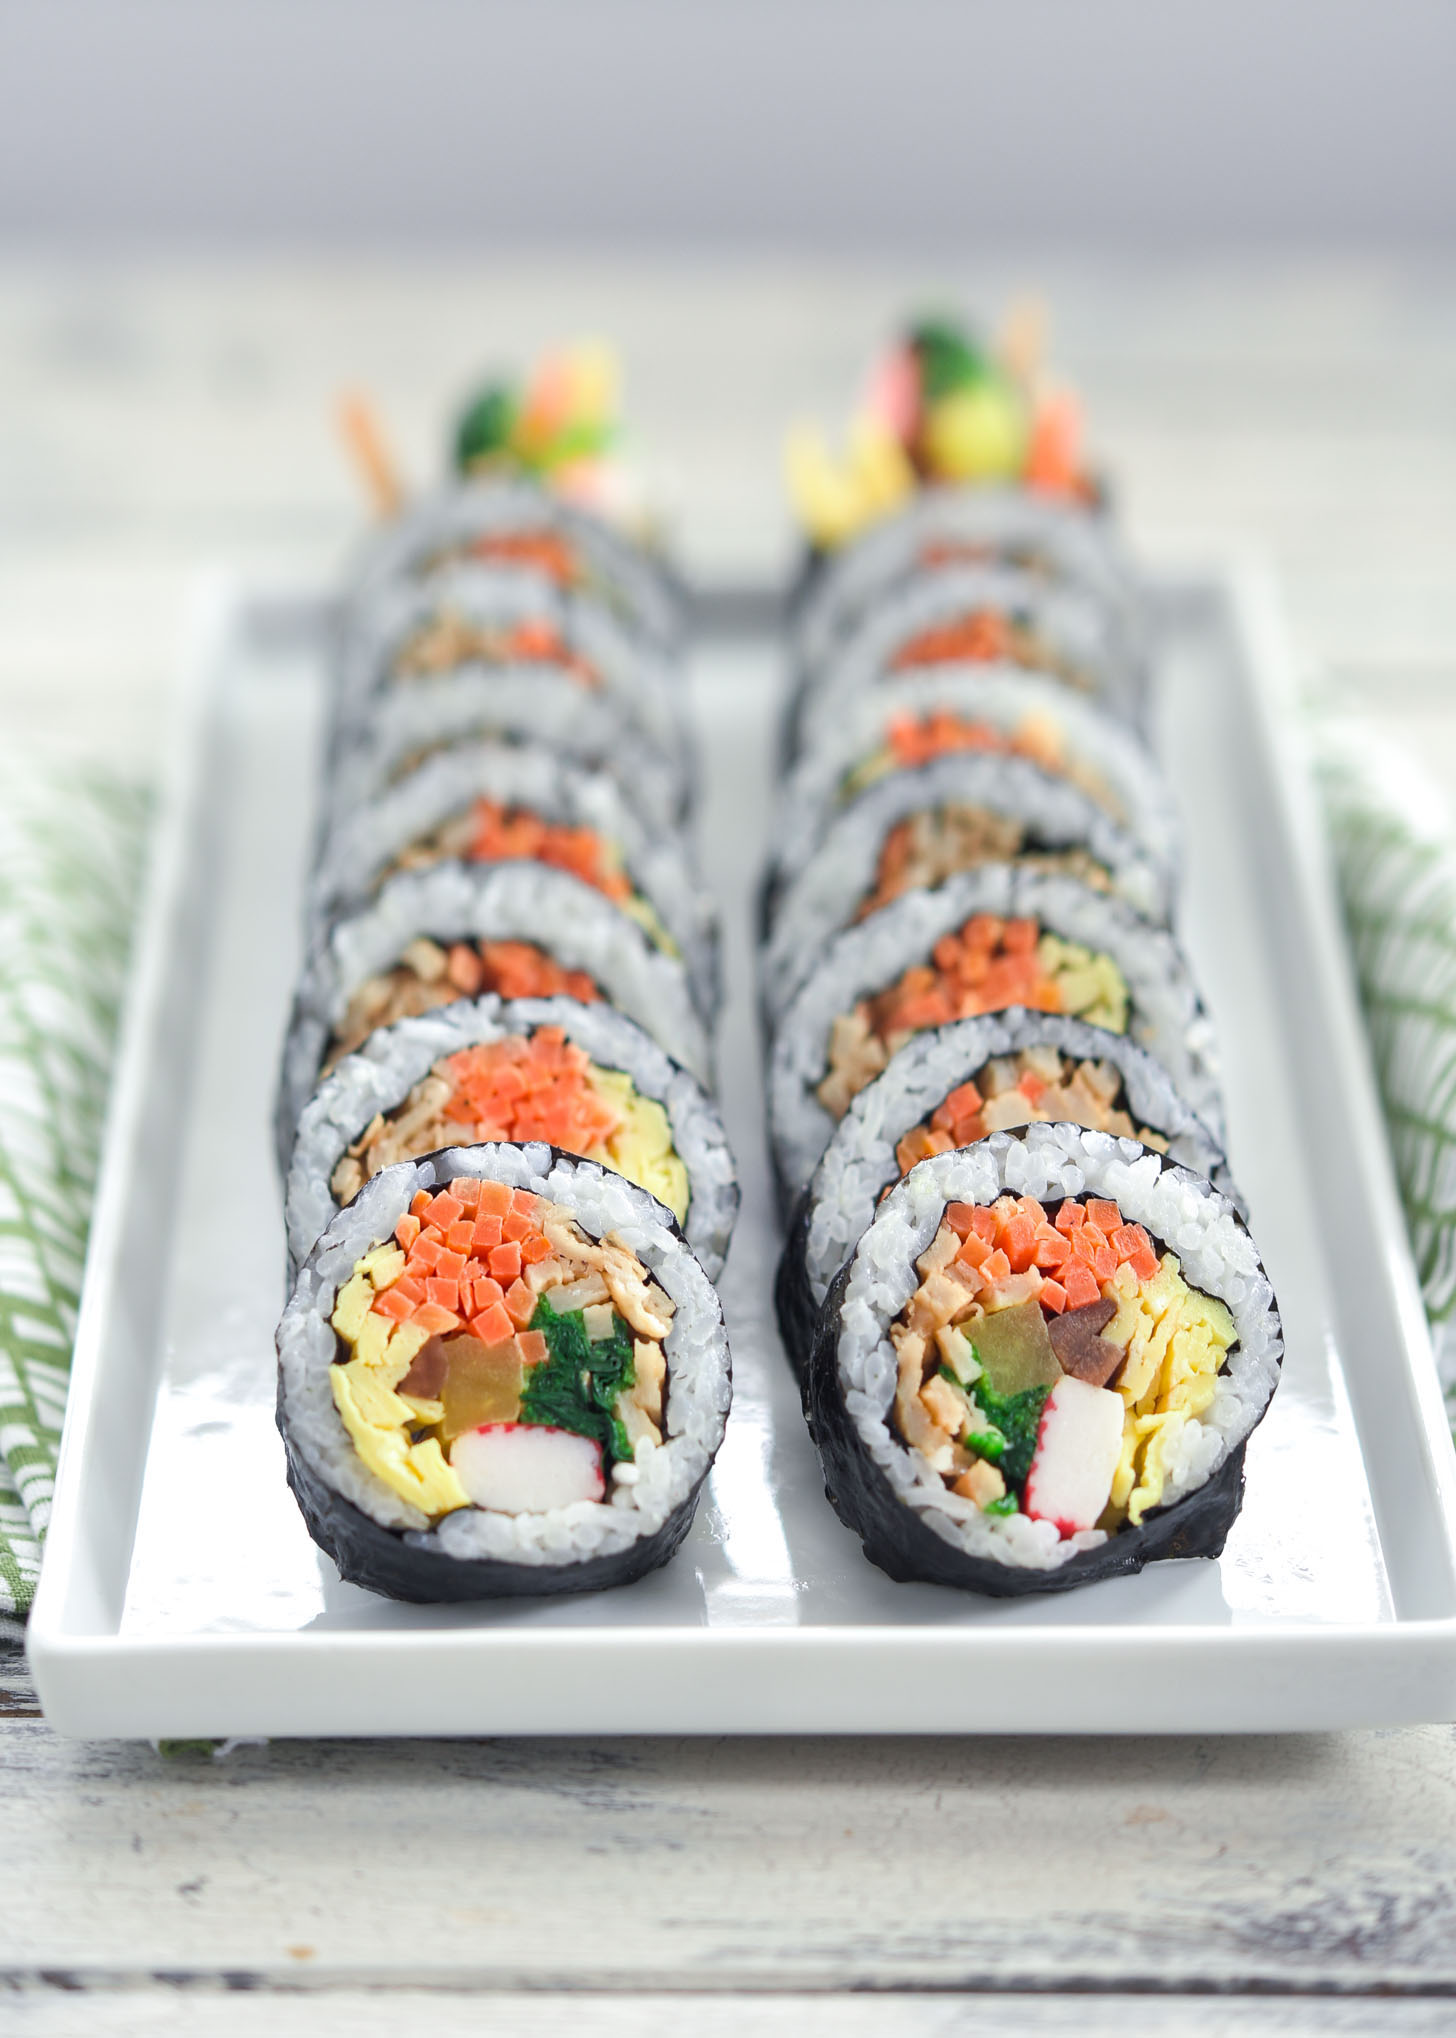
[(1149, 123)]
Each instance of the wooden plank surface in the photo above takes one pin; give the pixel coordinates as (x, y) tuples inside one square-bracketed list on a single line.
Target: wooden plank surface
[(155, 420)]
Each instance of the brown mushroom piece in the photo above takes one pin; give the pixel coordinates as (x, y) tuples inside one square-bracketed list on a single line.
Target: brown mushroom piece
[(1079, 1349)]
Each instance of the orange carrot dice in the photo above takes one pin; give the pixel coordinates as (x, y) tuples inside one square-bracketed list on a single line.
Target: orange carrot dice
[(426, 1252), (467, 1189), (495, 1199), (520, 1304), (983, 1223), (459, 1236), (398, 1308), (1053, 1296), (974, 1251), (1052, 1250), (995, 1267), (516, 1226), (534, 1250), (407, 1230), (487, 1233), (419, 1203), (1144, 1262), (409, 1287), (445, 1210), (1080, 1284), (505, 1261), (1106, 1216), (1104, 1263), (523, 1201), (958, 1216), (1129, 1239), (492, 1326), (445, 1294), (450, 1266), (532, 1346), (483, 1292), (1069, 1218), (1018, 1241)]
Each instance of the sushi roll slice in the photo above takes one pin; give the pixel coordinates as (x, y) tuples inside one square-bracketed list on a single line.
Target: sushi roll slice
[(501, 623), (493, 802), (915, 828), (985, 941), (953, 1086), (501, 1371), (1042, 1365), (582, 1077), (909, 721), (944, 529), (970, 617), (514, 523), (546, 706), (433, 937)]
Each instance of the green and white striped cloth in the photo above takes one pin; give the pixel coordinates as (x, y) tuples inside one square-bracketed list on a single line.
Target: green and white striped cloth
[(1395, 855), (71, 845)]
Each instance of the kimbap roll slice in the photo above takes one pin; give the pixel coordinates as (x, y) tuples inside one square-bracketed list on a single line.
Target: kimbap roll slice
[(498, 624), (517, 524), (909, 722), (501, 1371), (985, 941), (406, 726), (946, 529), (433, 937), (915, 828), (581, 1078), (959, 1084), (1042, 1364), (493, 803), (974, 617)]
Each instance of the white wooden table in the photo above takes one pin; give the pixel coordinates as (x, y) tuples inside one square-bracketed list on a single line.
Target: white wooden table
[(156, 420)]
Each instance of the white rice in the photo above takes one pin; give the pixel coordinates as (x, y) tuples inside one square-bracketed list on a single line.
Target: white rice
[(696, 1348), (822, 897), (1075, 625), (365, 840), (812, 794), (1069, 543), (381, 1075), (1050, 1162), (859, 1161), (491, 902), (1165, 1016)]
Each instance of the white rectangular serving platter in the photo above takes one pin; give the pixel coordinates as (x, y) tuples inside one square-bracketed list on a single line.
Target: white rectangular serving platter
[(182, 1595)]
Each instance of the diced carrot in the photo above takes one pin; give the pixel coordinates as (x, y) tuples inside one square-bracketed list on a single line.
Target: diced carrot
[(467, 1189), (484, 1291), (445, 1210), (407, 1230), (1018, 1240), (450, 1266), (1106, 1216), (492, 1326), (983, 1223), (1080, 1284), (532, 1346), (495, 1199), (459, 1236), (505, 1261), (1104, 1264), (1129, 1239), (520, 1304), (1053, 1296), (1052, 1250), (419, 1203), (1144, 1262), (426, 1251), (487, 1233), (1031, 1087), (1069, 1218), (996, 1267), (444, 1293), (523, 1201), (516, 1227), (974, 1251), (409, 1287), (398, 1308), (534, 1250)]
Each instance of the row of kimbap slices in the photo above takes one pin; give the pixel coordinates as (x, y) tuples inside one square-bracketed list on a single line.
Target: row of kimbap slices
[(1032, 1330), (503, 1366)]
